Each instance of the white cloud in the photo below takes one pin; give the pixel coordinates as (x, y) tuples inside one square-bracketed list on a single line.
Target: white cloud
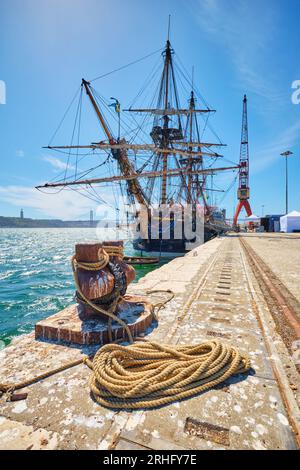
[(62, 205), (57, 163), (20, 153)]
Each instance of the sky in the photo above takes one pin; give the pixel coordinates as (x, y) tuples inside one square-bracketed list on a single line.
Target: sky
[(235, 47)]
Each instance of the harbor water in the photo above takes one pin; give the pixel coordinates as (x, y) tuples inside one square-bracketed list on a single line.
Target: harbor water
[(36, 277)]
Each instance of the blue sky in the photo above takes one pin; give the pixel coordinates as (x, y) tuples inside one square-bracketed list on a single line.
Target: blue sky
[(235, 46)]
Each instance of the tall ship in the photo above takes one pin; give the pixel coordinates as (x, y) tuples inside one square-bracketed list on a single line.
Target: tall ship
[(153, 158)]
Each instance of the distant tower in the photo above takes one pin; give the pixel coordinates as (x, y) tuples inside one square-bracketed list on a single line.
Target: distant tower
[(91, 218), (243, 189), (21, 214)]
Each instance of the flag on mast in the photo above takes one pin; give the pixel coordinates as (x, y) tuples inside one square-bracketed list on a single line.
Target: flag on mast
[(116, 104)]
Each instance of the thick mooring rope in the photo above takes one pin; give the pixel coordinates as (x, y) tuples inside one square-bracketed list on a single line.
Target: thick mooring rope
[(109, 313), (114, 250), (104, 256), (10, 388), (148, 374), (103, 259)]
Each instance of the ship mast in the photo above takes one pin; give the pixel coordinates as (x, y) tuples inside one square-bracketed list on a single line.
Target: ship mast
[(194, 160), (120, 154), (190, 159), (198, 185), (97, 111), (166, 123)]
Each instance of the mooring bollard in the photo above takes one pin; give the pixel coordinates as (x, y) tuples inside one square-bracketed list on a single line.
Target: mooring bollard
[(104, 312), (102, 276)]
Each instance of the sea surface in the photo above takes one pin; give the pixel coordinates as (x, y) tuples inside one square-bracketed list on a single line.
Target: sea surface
[(36, 276)]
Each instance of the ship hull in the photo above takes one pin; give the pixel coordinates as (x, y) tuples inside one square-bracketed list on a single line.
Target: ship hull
[(174, 247)]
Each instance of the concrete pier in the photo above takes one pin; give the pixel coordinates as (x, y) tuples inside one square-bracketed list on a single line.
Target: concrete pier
[(220, 293)]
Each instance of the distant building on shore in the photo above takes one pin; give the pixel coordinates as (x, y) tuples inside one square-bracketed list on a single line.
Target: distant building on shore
[(21, 214)]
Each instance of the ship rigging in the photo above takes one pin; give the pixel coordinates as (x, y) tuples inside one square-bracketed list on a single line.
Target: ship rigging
[(171, 168)]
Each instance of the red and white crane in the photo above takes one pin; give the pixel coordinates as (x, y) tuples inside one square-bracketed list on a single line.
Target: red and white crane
[(243, 192)]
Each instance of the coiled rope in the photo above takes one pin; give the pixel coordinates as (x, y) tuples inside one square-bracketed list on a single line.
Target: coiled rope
[(148, 374)]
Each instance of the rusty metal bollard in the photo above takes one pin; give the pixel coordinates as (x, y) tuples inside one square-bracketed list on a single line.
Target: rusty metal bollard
[(101, 286)]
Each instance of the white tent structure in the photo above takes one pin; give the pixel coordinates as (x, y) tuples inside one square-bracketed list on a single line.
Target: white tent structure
[(253, 218), (290, 222)]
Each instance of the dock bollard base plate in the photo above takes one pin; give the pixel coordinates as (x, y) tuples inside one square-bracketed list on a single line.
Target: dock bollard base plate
[(66, 326)]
